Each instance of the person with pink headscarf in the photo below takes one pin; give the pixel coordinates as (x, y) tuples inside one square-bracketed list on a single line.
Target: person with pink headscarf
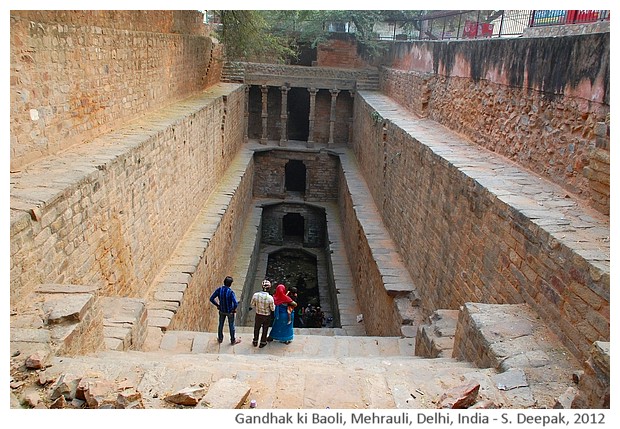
[(281, 330)]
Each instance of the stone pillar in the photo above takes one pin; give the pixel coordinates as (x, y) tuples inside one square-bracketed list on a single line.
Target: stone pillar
[(246, 113), (352, 94), (312, 92), (332, 116), (283, 115), (264, 89)]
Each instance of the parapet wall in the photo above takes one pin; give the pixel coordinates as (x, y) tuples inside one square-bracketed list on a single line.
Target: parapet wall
[(537, 101), (79, 74), (109, 213), (465, 242)]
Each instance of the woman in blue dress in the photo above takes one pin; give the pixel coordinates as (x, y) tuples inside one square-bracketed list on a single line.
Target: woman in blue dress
[(282, 329)]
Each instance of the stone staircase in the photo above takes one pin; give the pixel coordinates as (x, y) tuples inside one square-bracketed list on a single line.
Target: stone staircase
[(370, 82), (322, 367), (311, 372), (233, 72), (318, 342)]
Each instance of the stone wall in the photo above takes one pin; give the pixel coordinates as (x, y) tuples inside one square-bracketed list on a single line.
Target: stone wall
[(321, 174), (110, 212), (381, 317), (196, 312), (463, 244), (78, 74), (314, 223), (537, 101), (340, 51)]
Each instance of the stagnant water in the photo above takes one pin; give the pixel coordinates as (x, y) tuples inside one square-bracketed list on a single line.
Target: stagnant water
[(296, 268)]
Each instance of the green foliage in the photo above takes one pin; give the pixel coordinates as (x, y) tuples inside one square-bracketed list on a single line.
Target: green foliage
[(247, 36), (275, 35)]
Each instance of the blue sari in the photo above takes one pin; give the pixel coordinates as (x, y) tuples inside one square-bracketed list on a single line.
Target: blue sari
[(281, 330)]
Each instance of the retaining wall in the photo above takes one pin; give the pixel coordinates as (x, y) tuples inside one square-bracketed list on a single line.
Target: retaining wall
[(537, 101), (110, 213), (79, 74), (463, 242)]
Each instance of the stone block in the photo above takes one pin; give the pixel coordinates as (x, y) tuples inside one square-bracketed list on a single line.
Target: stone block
[(225, 393), (71, 308)]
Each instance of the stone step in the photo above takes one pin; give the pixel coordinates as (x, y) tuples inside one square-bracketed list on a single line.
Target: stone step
[(286, 382), (436, 339), (303, 345)]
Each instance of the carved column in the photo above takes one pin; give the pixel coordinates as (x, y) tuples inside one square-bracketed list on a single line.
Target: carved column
[(332, 116), (264, 89), (283, 115), (352, 94), (246, 114), (312, 92)]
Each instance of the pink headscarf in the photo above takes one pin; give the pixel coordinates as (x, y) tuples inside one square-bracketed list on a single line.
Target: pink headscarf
[(280, 297)]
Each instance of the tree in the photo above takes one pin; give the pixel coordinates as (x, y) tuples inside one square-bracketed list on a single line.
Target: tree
[(248, 36)]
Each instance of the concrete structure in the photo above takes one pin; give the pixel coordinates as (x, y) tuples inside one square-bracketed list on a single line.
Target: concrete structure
[(459, 177)]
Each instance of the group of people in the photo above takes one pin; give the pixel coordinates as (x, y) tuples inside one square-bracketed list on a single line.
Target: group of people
[(275, 311), (312, 317)]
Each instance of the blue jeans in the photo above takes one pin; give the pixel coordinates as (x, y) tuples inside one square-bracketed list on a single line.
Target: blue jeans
[(231, 326)]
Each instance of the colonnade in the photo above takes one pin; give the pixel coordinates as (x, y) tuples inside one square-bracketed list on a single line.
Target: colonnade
[(284, 89)]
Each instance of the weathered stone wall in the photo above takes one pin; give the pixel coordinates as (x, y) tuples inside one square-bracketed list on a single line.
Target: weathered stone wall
[(594, 385), (156, 21), (340, 51), (313, 217), (462, 244), (115, 208), (321, 174), (78, 74), (378, 307), (196, 313), (537, 101)]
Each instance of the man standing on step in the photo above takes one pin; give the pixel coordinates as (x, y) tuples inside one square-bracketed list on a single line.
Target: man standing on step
[(263, 303), (227, 306)]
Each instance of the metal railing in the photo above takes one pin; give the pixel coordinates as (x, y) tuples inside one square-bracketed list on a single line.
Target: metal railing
[(475, 25), (542, 18)]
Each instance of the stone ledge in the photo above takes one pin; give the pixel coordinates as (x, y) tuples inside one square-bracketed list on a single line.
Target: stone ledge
[(509, 338)]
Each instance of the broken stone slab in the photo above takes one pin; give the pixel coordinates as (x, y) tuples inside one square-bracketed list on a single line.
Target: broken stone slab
[(38, 359), (460, 397), (189, 396), (61, 402), (66, 385), (510, 379), (566, 399), (31, 397), (129, 398), (98, 393), (226, 393), (70, 308)]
